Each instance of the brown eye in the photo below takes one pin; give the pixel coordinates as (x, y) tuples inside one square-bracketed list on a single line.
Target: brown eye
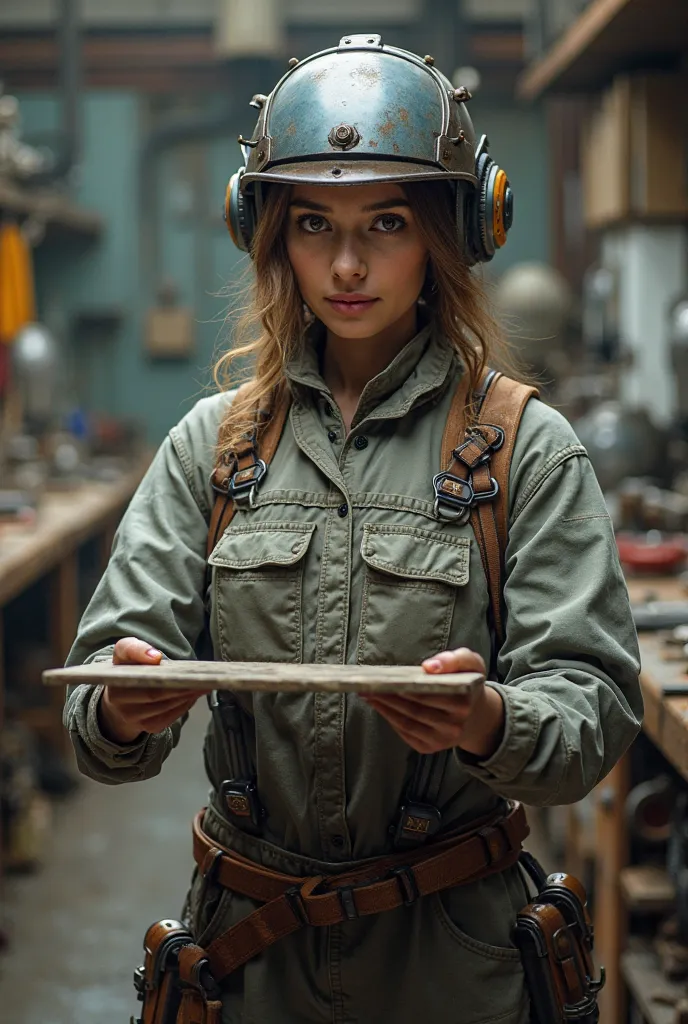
[(388, 223), (312, 223)]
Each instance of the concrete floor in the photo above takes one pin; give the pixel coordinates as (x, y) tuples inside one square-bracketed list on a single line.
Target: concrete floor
[(119, 859)]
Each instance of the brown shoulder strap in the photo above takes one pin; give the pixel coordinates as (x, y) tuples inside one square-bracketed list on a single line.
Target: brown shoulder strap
[(502, 408), (274, 416)]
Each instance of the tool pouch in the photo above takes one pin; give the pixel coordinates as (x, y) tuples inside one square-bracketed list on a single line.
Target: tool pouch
[(174, 983), (554, 934)]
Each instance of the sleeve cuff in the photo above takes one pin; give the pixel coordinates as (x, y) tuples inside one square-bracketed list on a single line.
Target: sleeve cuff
[(104, 747), (521, 729)]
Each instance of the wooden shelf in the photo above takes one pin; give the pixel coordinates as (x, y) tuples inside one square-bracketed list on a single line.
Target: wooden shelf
[(608, 37), (647, 889), (650, 990), (60, 215)]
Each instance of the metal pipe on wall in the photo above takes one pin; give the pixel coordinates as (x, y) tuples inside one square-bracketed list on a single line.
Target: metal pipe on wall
[(71, 84)]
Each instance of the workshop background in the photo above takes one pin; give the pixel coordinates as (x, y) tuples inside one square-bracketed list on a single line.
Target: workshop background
[(118, 133)]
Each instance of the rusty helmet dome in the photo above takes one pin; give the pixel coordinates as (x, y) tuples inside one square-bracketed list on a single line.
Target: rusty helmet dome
[(358, 113)]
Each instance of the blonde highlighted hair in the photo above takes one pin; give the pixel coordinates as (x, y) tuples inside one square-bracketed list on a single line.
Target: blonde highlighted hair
[(272, 323)]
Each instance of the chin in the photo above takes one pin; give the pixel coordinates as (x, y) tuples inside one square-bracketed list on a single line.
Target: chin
[(347, 328)]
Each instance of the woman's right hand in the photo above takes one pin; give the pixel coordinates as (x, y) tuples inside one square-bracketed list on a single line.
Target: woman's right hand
[(124, 714)]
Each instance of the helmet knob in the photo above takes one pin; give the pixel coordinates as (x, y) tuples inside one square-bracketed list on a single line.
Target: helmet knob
[(344, 136)]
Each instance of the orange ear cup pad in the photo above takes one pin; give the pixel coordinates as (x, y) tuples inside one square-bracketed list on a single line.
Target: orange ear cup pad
[(498, 226)]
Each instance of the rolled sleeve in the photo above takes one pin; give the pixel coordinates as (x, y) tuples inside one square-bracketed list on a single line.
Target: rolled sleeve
[(153, 588), (568, 670)]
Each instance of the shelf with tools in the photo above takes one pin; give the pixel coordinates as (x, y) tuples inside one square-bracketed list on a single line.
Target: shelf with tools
[(664, 679), (605, 39), (58, 214), (659, 1000)]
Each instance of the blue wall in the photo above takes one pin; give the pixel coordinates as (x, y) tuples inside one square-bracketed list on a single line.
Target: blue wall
[(112, 372)]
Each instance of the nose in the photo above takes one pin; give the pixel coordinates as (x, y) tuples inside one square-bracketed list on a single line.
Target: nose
[(348, 263)]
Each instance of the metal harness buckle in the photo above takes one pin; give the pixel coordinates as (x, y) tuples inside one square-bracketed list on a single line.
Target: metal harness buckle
[(243, 481), (241, 801), (416, 823), (456, 505)]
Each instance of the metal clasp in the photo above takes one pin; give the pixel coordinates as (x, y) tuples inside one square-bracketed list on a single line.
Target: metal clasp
[(295, 900), (244, 480), (346, 898), (455, 507), (417, 822), (407, 883)]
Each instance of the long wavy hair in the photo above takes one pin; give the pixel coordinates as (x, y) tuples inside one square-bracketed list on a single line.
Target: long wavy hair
[(271, 324)]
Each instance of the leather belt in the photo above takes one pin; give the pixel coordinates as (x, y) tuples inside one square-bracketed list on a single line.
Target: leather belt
[(383, 883)]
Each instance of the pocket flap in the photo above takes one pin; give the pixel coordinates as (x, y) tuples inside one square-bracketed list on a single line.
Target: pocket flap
[(259, 544), (413, 553)]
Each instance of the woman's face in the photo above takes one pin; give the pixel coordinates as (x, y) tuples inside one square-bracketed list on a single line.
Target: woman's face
[(357, 255)]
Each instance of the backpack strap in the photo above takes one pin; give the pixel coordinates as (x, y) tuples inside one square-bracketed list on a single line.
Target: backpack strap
[(237, 474), (475, 483)]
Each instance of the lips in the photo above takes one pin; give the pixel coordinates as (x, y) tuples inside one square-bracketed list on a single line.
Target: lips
[(351, 304)]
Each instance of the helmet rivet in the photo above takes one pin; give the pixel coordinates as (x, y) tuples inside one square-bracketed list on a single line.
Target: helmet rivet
[(429, 59), (293, 62), (347, 41), (337, 171), (344, 136), (462, 94)]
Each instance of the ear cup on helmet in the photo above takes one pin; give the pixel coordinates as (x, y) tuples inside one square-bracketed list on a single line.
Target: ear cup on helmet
[(239, 213), (491, 213)]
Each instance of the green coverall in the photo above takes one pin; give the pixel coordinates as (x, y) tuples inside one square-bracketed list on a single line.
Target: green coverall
[(341, 559)]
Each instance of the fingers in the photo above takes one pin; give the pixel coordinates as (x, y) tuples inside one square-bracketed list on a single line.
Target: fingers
[(156, 722), (424, 738), (460, 660), (428, 709), (125, 696), (132, 651)]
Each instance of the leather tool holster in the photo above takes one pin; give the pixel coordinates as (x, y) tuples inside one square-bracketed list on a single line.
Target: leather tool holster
[(178, 981), (174, 982), (554, 934)]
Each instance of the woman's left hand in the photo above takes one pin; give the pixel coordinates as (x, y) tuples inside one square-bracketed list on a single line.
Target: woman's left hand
[(433, 722)]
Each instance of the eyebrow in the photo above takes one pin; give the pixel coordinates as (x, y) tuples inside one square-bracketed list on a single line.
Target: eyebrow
[(384, 204)]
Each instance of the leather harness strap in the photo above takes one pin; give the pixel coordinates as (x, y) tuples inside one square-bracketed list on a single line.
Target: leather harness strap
[(484, 459), (384, 883), (262, 442)]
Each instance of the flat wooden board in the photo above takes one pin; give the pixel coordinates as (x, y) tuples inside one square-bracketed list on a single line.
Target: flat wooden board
[(273, 677)]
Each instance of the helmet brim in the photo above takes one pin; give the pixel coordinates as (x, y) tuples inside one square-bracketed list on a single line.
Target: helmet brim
[(345, 171)]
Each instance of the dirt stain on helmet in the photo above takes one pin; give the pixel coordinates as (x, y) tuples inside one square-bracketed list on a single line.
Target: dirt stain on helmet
[(368, 73)]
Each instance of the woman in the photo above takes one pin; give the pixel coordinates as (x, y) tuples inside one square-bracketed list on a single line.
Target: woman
[(366, 310)]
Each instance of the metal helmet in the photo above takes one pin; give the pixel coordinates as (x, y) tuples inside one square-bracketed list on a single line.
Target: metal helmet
[(364, 112)]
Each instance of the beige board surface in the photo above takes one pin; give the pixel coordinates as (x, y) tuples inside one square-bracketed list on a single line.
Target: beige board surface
[(267, 676)]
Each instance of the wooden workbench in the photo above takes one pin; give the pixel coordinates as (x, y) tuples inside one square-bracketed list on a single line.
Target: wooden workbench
[(666, 724), (48, 550)]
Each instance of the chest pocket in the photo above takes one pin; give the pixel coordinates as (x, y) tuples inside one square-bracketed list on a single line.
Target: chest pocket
[(257, 591), (409, 592)]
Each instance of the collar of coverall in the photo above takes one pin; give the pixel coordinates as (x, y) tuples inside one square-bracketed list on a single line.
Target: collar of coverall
[(416, 373)]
